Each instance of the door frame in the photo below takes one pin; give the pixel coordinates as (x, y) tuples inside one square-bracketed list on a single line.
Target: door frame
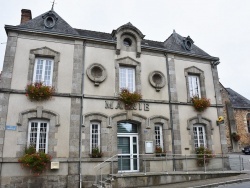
[(131, 154)]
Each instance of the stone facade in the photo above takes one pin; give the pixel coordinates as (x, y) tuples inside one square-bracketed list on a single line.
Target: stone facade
[(87, 79), (236, 110)]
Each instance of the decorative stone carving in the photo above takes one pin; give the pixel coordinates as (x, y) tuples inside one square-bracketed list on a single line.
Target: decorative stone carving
[(96, 73), (157, 80)]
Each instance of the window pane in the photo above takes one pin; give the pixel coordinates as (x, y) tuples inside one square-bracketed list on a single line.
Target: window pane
[(33, 133), (158, 136), (199, 136), (123, 145), (43, 71), (127, 78), (47, 74), (95, 135), (194, 85), (43, 137), (126, 128), (38, 135), (39, 70)]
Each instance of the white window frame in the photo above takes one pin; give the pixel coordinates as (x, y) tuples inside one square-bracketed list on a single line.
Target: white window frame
[(199, 136), (127, 71), (194, 85), (38, 135), (98, 135), (160, 134), (45, 60)]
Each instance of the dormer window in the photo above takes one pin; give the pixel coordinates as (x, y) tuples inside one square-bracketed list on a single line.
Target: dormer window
[(50, 20), (127, 42), (188, 42)]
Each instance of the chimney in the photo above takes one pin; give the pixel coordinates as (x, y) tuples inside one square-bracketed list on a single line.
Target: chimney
[(26, 15)]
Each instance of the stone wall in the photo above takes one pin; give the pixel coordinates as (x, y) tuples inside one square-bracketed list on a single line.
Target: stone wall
[(241, 123)]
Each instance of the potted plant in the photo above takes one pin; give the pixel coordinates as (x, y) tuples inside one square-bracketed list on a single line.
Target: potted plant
[(200, 104), (235, 136), (128, 98), (37, 162), (38, 91), (204, 155), (96, 153), (159, 151)]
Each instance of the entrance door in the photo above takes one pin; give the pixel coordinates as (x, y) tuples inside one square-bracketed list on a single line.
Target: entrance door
[(127, 145)]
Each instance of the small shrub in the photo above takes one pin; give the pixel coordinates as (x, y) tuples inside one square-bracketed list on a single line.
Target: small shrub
[(96, 153), (203, 154), (37, 162), (200, 104), (38, 91), (128, 98)]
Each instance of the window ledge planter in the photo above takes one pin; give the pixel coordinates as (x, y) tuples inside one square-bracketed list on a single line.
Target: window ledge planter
[(235, 137), (128, 98), (38, 91), (96, 153), (204, 155), (200, 104), (37, 162), (159, 152)]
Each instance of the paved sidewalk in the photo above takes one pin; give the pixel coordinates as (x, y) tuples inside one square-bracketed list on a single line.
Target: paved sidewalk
[(207, 183)]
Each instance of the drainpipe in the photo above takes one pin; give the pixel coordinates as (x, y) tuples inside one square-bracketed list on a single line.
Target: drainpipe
[(170, 109), (81, 118)]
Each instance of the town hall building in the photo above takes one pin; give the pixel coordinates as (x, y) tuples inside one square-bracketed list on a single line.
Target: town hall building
[(87, 70)]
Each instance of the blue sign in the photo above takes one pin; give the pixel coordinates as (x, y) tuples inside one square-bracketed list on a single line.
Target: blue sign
[(10, 127)]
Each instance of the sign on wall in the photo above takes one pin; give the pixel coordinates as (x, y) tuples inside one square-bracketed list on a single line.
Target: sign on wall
[(10, 127)]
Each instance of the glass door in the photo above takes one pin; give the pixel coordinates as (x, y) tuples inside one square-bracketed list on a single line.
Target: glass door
[(128, 153)]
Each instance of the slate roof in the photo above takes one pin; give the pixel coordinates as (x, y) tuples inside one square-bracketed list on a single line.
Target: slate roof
[(173, 44), (237, 100), (37, 23)]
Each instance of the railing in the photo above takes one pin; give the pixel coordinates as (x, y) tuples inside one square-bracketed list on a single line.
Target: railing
[(149, 163)]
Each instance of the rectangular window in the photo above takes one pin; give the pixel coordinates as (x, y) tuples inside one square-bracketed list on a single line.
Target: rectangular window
[(127, 78), (95, 136), (43, 71), (194, 85), (158, 135), (199, 136), (38, 135)]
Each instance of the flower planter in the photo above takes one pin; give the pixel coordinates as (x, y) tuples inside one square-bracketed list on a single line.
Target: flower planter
[(128, 98), (96, 153), (235, 137), (37, 162), (38, 91), (200, 104)]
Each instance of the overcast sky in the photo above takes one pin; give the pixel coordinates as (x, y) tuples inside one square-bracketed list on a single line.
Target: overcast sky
[(219, 27)]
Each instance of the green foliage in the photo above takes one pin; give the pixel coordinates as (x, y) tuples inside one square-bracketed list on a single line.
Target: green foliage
[(129, 99), (38, 91), (96, 153), (37, 162), (203, 154), (200, 104)]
